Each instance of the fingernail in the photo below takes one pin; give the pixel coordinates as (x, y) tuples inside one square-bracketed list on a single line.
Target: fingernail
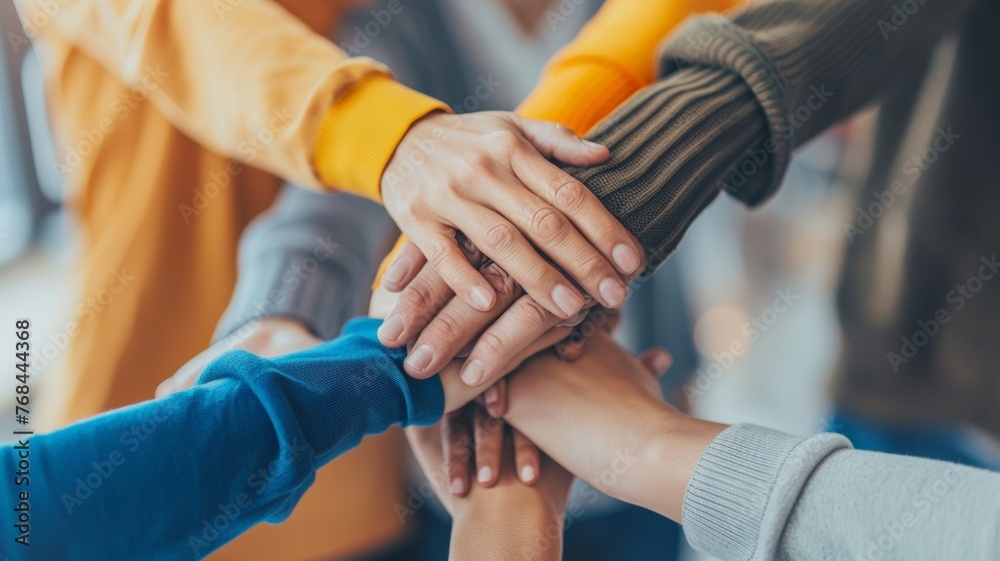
[(457, 486), (485, 474), (613, 292), (420, 357), (527, 474), (625, 257), (567, 299), (482, 298), (397, 271), (591, 144), (576, 320), (492, 396), (473, 372), (392, 328)]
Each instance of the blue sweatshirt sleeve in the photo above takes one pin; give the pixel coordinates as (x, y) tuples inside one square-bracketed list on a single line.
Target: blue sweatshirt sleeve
[(178, 477)]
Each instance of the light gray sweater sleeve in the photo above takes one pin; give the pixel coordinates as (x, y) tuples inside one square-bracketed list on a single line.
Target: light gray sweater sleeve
[(311, 257), (760, 494)]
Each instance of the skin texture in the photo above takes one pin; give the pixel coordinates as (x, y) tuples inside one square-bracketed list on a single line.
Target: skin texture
[(603, 418), (534, 220), (435, 319), (507, 521)]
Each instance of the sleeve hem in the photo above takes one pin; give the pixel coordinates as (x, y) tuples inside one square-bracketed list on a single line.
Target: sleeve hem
[(674, 146), (360, 132), (423, 399), (268, 293), (729, 47), (745, 486)]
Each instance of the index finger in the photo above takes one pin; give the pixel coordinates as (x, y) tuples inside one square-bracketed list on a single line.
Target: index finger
[(517, 329)]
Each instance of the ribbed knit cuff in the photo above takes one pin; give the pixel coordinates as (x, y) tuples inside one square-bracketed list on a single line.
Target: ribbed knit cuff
[(715, 42), (359, 134), (745, 486), (334, 394), (674, 146), (276, 285)]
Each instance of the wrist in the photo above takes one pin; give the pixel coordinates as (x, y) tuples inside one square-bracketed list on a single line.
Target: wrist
[(361, 131), (261, 334), (669, 461), (513, 525), (414, 144)]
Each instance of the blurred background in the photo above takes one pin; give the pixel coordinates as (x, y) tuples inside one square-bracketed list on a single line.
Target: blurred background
[(731, 269)]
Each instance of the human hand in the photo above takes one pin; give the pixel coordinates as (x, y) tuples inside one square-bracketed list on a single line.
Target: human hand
[(456, 392), (508, 521), (604, 419), (487, 176), (472, 429), (266, 337), (443, 325)]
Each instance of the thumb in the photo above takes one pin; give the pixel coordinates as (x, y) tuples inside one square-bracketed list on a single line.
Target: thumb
[(555, 141), (657, 361)]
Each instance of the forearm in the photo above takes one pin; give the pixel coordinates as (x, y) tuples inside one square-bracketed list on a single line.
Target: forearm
[(738, 95), (179, 477), (611, 58), (761, 494), (311, 258), (251, 81), (673, 148), (510, 524)]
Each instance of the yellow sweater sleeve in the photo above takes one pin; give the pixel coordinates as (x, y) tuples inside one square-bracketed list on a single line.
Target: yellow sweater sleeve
[(360, 132), (611, 58), (248, 80)]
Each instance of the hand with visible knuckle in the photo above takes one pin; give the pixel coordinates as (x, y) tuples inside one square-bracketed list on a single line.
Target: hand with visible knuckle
[(434, 252), (502, 283), (499, 237), (549, 225), (568, 194), (533, 312), (445, 328), (420, 294), (493, 342)]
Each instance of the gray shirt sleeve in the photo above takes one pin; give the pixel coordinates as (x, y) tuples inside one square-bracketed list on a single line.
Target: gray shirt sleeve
[(311, 257), (762, 494)]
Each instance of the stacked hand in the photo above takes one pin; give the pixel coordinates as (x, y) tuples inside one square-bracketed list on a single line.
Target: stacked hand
[(541, 231), (602, 418), (440, 325), (522, 522), (488, 177)]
